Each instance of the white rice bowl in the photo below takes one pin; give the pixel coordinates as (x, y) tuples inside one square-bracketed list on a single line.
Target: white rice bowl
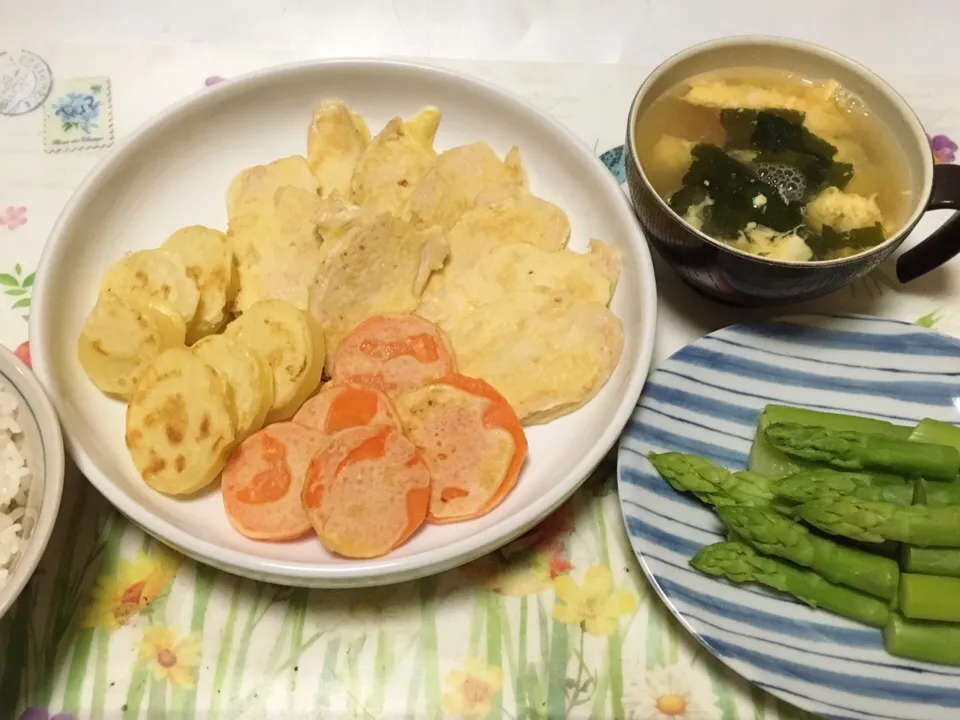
[(16, 517)]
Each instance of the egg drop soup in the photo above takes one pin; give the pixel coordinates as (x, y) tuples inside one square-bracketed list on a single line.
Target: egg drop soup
[(775, 164)]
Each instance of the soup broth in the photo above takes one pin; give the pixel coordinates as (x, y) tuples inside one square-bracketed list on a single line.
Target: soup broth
[(775, 164)]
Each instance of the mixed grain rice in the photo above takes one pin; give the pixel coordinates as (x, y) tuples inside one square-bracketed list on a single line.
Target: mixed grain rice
[(15, 480)]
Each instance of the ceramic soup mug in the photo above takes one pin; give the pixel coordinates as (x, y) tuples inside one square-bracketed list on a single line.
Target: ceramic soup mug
[(735, 276)]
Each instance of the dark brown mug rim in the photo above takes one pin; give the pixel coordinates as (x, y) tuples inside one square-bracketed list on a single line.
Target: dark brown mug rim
[(826, 54)]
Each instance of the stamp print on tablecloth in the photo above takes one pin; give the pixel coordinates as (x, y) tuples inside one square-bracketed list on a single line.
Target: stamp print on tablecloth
[(79, 115), (25, 82)]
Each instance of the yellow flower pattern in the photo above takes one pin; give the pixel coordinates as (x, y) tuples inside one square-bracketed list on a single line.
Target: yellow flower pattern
[(136, 583), (472, 689), (169, 657), (595, 604)]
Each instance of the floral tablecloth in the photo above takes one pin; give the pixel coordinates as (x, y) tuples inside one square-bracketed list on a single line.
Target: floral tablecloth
[(561, 623)]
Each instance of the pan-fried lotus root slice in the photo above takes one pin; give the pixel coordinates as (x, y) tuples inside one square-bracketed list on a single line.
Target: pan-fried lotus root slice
[(159, 275), (209, 263), (291, 343), (263, 479), (393, 353), (338, 407), (248, 375), (367, 492), (181, 423), (120, 335), (471, 440)]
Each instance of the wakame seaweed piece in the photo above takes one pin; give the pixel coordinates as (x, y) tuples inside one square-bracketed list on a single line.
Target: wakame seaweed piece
[(831, 239), (734, 189), (686, 197), (776, 133), (741, 123), (781, 138), (838, 175)]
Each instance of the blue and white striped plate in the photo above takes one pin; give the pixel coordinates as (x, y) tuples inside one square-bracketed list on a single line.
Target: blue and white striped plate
[(704, 400)]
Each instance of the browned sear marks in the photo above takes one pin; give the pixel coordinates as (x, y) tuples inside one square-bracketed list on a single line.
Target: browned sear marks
[(157, 465), (204, 428)]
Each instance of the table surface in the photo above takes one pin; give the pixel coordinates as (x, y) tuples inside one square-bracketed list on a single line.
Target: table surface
[(115, 625)]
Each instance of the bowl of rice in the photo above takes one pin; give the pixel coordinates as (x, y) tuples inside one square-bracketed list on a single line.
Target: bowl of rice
[(31, 475)]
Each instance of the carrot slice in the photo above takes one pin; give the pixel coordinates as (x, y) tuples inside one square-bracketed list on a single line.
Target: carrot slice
[(262, 480), (471, 440), (338, 407), (393, 353), (367, 492)]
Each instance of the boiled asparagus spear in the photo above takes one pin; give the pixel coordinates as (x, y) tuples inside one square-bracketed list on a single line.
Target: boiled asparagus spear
[(772, 534), (740, 563), (846, 450), (711, 483), (934, 642), (826, 484), (934, 431), (770, 462), (868, 521), (773, 414), (930, 597), (940, 494), (931, 561)]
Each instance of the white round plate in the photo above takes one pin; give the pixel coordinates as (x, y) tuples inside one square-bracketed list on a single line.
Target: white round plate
[(704, 400), (175, 171)]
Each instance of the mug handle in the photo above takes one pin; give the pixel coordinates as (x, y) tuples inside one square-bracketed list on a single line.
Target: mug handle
[(944, 243)]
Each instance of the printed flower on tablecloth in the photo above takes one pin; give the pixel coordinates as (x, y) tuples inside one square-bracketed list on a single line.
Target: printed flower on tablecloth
[(944, 149), (595, 604), (528, 574), (472, 689), (212, 80), (39, 713), (130, 589), (169, 656), (529, 564), (366, 611), (676, 692), (14, 217), (23, 354)]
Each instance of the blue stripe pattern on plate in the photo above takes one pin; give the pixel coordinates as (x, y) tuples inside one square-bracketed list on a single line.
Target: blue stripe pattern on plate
[(705, 400)]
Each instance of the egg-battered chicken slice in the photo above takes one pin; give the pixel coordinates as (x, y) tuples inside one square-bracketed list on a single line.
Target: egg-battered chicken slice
[(459, 176), (278, 252), (395, 162), (502, 216), (335, 141), (589, 277), (372, 264), (251, 191), (546, 352)]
